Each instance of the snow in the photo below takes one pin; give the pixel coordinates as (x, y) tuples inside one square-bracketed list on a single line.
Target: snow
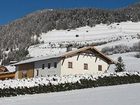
[(31, 82), (44, 51), (125, 33), (92, 33), (131, 63), (11, 68), (112, 95)]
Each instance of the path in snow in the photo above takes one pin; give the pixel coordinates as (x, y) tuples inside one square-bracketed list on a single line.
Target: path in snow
[(113, 95)]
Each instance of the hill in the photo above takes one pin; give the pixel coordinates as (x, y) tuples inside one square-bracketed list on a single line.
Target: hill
[(17, 36)]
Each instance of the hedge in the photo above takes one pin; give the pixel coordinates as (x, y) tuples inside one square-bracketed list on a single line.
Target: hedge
[(81, 84)]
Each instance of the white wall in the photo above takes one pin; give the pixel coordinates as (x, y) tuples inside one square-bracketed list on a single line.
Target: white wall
[(78, 65), (46, 71)]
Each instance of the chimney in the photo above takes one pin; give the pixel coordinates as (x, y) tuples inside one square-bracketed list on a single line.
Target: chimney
[(69, 48)]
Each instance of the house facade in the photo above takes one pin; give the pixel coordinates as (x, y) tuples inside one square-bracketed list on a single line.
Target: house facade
[(87, 60), (83, 64)]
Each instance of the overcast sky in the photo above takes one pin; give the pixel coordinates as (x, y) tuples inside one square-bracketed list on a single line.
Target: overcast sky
[(14, 9)]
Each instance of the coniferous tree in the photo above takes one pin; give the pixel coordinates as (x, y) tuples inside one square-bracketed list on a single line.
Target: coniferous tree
[(120, 67)]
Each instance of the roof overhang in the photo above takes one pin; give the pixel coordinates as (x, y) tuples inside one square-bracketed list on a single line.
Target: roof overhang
[(70, 54), (93, 50)]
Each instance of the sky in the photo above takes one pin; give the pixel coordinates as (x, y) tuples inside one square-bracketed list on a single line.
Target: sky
[(13, 9)]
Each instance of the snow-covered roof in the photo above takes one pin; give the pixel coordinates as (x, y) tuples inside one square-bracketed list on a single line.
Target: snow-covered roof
[(37, 59), (91, 49), (69, 54)]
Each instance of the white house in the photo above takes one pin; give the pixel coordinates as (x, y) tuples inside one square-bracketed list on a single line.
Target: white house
[(86, 60)]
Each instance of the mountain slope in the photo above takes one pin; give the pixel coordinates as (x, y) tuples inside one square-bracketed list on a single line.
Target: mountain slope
[(17, 36)]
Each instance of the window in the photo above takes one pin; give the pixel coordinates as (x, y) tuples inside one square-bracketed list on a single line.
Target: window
[(49, 65), (69, 64), (55, 64), (99, 67), (43, 66), (85, 66), (37, 72)]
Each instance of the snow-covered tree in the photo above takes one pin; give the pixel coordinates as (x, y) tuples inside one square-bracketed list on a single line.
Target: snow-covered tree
[(120, 67)]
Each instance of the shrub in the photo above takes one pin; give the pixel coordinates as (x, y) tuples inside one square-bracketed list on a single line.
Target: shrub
[(136, 46), (82, 83), (117, 49)]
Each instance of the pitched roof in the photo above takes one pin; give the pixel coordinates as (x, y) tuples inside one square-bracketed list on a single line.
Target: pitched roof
[(92, 49), (69, 54)]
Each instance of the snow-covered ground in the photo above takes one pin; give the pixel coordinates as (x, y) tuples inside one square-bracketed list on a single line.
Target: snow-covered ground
[(131, 63), (125, 33), (112, 95), (101, 31)]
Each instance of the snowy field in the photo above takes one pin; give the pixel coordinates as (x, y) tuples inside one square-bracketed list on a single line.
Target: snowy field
[(112, 95), (125, 33), (131, 63), (101, 31)]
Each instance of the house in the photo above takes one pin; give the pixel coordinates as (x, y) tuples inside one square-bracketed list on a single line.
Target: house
[(5, 74), (86, 60)]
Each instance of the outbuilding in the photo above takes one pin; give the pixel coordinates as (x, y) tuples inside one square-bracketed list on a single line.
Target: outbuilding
[(5, 73)]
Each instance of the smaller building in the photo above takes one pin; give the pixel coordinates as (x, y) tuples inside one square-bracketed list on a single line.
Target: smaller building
[(5, 74), (86, 60)]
